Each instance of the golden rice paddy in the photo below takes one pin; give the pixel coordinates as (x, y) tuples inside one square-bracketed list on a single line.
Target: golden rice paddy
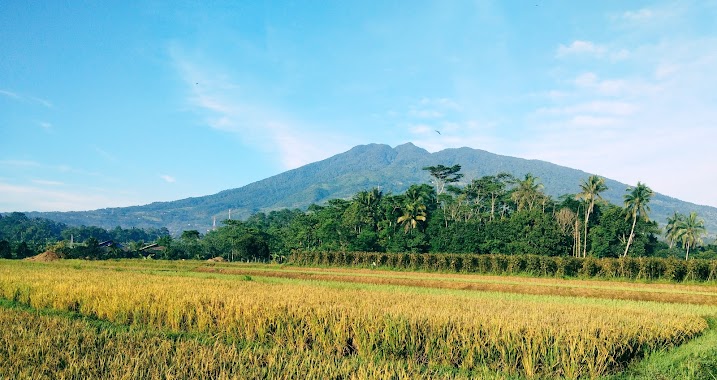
[(240, 321)]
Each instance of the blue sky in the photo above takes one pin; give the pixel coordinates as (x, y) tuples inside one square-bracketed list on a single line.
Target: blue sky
[(107, 104)]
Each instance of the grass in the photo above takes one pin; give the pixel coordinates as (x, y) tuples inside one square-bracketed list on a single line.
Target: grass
[(695, 360)]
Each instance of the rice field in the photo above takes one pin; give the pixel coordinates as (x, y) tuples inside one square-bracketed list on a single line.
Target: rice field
[(143, 319)]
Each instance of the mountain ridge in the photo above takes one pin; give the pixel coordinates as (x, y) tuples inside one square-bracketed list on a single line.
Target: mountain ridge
[(341, 176)]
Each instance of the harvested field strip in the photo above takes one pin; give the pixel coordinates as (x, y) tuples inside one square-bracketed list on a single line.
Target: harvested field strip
[(491, 283), (531, 336)]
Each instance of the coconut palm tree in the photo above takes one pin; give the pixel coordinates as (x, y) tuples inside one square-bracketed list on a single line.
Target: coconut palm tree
[(527, 192), (414, 207), (671, 228), (368, 202), (636, 201), (591, 189), (690, 230), (412, 214)]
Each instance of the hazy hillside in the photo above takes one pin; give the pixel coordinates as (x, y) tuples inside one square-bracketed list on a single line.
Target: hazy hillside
[(341, 176)]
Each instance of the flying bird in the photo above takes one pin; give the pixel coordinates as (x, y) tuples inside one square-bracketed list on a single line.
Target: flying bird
[(437, 131)]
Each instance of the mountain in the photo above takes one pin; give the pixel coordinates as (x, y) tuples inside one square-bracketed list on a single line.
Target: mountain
[(341, 176)]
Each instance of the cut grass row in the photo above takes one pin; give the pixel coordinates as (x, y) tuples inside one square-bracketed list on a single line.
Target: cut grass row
[(523, 335)]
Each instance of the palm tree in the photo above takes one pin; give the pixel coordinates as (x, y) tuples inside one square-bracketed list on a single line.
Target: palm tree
[(527, 192), (591, 189), (368, 202), (636, 201), (412, 214), (690, 231), (671, 228), (414, 207)]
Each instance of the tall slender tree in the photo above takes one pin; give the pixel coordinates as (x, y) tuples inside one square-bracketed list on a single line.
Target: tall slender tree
[(591, 189), (636, 201), (690, 231)]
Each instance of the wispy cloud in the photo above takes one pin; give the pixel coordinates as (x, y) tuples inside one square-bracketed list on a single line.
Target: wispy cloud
[(592, 50), (10, 94), (589, 81), (226, 106), (27, 98), (610, 107), (168, 178), (104, 154), (47, 182), (60, 168), (40, 198), (20, 163), (638, 15), (580, 47)]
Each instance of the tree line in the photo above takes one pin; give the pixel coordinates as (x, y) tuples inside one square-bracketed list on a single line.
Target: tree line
[(21, 236), (495, 214)]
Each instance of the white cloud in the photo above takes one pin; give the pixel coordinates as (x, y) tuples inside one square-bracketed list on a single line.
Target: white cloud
[(589, 49), (596, 107), (615, 87), (586, 79), (578, 47), (422, 129), (592, 121), (639, 15), (168, 178), (47, 182), (45, 125), (34, 198), (425, 114), (652, 120)]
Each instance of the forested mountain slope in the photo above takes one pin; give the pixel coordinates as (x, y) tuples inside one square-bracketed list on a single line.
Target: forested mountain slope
[(341, 176)]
